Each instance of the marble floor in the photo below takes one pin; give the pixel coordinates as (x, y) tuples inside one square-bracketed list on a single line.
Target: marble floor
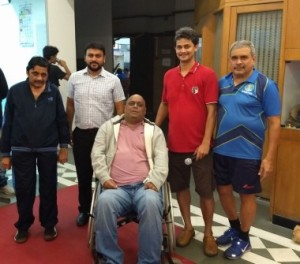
[(271, 244)]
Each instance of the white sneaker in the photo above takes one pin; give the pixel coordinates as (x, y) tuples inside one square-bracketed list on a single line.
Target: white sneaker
[(7, 190)]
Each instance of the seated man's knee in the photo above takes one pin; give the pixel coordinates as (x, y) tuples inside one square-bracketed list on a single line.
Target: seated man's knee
[(105, 201), (153, 201)]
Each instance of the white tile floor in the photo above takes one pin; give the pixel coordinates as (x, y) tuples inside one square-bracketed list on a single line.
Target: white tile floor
[(268, 247)]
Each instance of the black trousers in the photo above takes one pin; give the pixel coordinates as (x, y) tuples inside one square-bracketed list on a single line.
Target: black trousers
[(83, 141), (24, 171)]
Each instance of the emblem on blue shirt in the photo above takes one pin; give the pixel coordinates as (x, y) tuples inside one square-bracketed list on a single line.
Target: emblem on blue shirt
[(50, 99), (195, 90), (248, 89)]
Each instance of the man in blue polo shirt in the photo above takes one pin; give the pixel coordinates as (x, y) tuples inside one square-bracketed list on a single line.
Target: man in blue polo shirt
[(249, 103)]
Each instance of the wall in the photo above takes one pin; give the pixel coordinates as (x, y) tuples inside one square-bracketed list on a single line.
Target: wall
[(61, 33), (154, 16), (151, 26), (51, 22), (16, 46), (94, 23)]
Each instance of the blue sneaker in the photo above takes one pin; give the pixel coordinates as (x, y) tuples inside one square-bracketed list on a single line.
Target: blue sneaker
[(237, 249), (228, 236)]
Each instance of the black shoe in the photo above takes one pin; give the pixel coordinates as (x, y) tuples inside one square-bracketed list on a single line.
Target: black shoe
[(21, 236), (50, 233), (82, 219)]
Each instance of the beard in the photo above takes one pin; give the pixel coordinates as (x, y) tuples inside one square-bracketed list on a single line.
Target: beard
[(94, 66)]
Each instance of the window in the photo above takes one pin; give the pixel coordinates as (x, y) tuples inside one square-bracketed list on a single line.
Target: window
[(264, 30)]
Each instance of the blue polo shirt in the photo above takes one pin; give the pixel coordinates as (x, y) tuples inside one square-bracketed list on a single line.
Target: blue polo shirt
[(242, 114)]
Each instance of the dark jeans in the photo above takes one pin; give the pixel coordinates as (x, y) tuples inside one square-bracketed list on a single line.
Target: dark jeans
[(25, 164), (83, 141)]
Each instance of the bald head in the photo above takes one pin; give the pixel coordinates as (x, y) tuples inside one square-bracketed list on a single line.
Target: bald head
[(135, 109)]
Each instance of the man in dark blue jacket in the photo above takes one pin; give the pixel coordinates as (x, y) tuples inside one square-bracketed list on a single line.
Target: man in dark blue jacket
[(4, 187), (35, 124)]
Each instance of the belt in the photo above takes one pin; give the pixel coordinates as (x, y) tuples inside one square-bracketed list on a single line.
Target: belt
[(88, 130)]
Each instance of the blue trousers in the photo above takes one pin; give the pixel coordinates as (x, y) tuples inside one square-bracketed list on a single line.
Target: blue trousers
[(114, 203)]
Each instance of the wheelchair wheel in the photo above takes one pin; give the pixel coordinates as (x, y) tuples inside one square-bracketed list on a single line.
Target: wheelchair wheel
[(169, 219)]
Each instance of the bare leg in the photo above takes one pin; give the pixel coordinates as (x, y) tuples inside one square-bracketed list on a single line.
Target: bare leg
[(187, 234), (247, 211), (227, 200), (184, 201), (207, 208)]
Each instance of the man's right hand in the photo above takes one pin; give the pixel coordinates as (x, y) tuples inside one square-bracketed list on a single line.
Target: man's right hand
[(110, 184)]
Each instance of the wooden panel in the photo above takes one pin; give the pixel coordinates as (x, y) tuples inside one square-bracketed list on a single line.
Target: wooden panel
[(267, 184), (204, 8), (287, 182), (260, 8), (249, 2), (292, 54), (292, 25), (225, 41), (208, 37)]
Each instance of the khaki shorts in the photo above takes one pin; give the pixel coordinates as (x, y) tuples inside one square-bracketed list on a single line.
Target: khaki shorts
[(202, 171)]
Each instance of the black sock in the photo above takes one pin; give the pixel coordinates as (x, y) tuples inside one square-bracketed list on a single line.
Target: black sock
[(244, 235), (235, 224)]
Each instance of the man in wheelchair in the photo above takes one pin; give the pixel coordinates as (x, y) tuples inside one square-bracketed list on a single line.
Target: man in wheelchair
[(130, 159)]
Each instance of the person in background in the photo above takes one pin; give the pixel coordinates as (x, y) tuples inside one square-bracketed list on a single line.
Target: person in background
[(121, 75), (55, 72), (249, 103), (127, 72), (189, 99), (124, 78), (4, 187), (35, 123), (94, 95), (130, 158)]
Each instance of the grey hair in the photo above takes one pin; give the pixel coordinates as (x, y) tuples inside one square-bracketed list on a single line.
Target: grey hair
[(241, 44)]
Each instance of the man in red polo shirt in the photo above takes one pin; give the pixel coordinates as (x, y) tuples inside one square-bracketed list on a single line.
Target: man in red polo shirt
[(189, 99)]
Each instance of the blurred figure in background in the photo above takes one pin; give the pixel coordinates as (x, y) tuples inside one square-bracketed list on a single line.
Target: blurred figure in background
[(125, 81), (4, 188), (55, 72)]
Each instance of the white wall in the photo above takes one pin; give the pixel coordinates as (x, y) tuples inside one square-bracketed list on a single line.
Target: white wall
[(61, 33), (51, 22), (13, 56)]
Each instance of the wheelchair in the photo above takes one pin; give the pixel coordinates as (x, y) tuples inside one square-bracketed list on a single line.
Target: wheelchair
[(168, 244)]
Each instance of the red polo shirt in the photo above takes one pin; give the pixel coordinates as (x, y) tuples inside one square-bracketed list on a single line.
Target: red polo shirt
[(187, 98)]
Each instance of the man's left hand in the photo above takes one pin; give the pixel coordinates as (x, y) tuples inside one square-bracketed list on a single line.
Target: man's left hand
[(266, 169), (150, 185), (63, 155)]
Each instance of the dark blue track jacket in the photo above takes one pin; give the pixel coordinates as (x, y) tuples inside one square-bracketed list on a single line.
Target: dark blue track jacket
[(34, 125)]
